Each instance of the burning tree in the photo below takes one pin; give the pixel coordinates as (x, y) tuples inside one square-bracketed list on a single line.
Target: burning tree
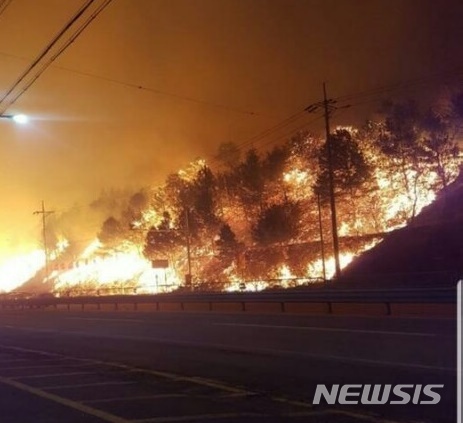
[(263, 216)]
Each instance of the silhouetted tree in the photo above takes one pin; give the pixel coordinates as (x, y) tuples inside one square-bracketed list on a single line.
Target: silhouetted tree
[(278, 223), (249, 180), (162, 240), (274, 163), (440, 148), (228, 154), (227, 245), (350, 168), (112, 232), (457, 106), (203, 196), (416, 143)]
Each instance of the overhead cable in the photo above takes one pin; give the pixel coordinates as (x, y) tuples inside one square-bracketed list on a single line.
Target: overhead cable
[(40, 64), (3, 5), (45, 51)]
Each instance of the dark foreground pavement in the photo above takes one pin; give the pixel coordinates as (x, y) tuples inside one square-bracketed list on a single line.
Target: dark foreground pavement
[(168, 367)]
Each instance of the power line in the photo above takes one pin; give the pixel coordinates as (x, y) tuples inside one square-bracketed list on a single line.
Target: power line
[(365, 93), (291, 132), (281, 125), (3, 5), (364, 96), (214, 159), (67, 43), (162, 92), (400, 85), (254, 139), (152, 90), (47, 49), (356, 95)]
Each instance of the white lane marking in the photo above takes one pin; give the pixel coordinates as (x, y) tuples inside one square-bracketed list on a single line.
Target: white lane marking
[(47, 366), (233, 348), (42, 360), (52, 375), (322, 329), (102, 319), (64, 401), (42, 353), (134, 398), (85, 385), (170, 376)]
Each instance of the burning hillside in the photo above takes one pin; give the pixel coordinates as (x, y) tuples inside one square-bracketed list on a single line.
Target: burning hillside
[(254, 220), (428, 251)]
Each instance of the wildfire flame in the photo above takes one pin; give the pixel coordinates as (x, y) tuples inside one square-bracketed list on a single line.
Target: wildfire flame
[(124, 269), (116, 272), (15, 271)]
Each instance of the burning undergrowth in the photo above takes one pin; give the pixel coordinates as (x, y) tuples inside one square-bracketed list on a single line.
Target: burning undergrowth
[(254, 220)]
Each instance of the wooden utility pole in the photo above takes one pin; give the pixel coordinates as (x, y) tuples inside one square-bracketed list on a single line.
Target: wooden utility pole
[(44, 214), (188, 276), (328, 106), (322, 240), (334, 224)]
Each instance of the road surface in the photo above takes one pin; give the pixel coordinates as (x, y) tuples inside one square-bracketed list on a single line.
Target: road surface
[(171, 367)]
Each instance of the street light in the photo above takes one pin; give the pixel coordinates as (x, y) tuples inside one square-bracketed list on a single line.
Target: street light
[(20, 118)]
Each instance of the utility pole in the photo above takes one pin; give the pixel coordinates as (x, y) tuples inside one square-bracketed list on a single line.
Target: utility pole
[(188, 276), (334, 223), (328, 106), (322, 241), (44, 214)]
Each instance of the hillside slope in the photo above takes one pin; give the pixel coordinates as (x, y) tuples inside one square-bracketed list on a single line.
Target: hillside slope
[(429, 251)]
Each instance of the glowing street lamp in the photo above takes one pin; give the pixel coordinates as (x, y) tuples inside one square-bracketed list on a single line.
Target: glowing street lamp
[(20, 118)]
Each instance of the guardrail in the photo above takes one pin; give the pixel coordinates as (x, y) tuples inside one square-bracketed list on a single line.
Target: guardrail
[(379, 302)]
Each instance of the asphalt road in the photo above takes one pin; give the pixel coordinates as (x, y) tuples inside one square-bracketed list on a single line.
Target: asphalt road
[(169, 367)]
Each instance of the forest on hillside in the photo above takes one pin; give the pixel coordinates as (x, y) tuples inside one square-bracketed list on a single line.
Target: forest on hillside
[(252, 215)]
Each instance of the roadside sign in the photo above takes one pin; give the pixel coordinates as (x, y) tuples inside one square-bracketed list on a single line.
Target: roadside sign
[(160, 264)]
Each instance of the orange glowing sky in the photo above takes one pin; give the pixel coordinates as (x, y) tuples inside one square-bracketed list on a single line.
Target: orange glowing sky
[(265, 56)]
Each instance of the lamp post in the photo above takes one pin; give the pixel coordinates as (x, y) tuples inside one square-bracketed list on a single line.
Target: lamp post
[(20, 118)]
